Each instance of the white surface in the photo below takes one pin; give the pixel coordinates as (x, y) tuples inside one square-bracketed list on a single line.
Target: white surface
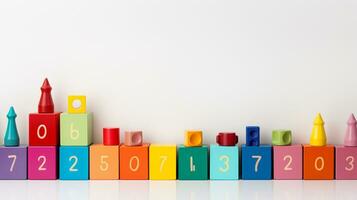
[(166, 66), (186, 190)]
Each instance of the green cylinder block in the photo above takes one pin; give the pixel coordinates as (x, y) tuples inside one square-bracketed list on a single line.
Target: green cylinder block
[(281, 137)]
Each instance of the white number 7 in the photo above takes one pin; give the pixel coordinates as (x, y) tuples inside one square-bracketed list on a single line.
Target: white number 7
[(257, 162), (13, 157), (163, 160)]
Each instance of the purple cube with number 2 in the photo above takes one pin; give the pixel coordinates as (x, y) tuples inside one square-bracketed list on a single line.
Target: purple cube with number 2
[(42, 162), (13, 163)]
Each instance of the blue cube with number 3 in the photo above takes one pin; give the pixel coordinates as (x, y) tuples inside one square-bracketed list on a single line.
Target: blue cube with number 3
[(74, 163), (257, 162), (224, 162)]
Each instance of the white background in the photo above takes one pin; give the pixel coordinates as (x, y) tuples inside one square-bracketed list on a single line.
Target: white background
[(167, 66)]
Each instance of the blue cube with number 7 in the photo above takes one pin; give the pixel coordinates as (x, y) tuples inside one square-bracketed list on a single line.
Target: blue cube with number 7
[(224, 162), (257, 162), (74, 163)]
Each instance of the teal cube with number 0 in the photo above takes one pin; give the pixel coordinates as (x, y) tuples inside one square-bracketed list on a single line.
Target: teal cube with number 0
[(224, 162), (74, 163)]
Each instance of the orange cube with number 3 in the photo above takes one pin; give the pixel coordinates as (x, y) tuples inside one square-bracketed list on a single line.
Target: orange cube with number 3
[(104, 162), (319, 162), (134, 162)]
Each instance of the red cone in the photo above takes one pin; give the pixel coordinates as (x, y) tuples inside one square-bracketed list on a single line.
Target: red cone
[(46, 103)]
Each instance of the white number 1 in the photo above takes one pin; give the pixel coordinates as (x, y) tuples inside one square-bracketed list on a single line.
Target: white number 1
[(257, 162)]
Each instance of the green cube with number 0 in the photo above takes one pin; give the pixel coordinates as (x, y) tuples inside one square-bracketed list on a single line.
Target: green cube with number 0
[(193, 163), (76, 129)]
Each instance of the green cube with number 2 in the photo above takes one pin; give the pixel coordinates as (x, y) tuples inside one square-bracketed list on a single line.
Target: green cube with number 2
[(76, 129), (192, 163)]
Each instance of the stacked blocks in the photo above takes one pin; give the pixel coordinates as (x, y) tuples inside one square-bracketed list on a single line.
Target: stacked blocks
[(347, 154), (193, 157), (287, 157), (318, 157), (43, 138), (256, 158), (224, 157), (13, 157), (162, 162), (75, 137), (134, 157)]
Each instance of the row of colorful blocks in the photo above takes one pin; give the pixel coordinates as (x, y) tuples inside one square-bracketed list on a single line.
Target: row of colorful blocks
[(158, 162)]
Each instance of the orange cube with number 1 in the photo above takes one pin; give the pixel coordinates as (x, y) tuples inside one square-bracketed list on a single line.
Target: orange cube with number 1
[(104, 162), (134, 162)]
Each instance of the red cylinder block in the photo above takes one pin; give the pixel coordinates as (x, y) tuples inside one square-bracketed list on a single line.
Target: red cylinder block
[(111, 136), (227, 139)]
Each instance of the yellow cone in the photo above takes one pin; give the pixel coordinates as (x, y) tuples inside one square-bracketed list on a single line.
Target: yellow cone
[(318, 135)]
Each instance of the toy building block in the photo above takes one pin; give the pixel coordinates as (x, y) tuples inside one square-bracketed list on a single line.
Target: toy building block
[(252, 136), (134, 162), (77, 104), (318, 135), (287, 162), (46, 103), (11, 138), (42, 162), (133, 138), (224, 162), (193, 138), (227, 139), (347, 154), (281, 137), (318, 162), (256, 162), (13, 163), (162, 162), (74, 163), (193, 163), (111, 136), (76, 129), (44, 125), (104, 162)]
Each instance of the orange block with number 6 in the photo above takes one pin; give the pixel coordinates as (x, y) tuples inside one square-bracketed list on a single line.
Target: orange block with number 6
[(134, 162), (104, 162), (319, 162)]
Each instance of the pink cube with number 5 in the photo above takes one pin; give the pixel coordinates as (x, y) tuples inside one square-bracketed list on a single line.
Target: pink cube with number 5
[(288, 162), (42, 162), (346, 159)]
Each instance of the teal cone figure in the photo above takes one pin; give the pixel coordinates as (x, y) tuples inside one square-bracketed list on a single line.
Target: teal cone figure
[(11, 136)]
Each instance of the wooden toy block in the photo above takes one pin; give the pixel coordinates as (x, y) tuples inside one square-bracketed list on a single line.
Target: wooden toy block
[(111, 136), (256, 162), (252, 136), (318, 135), (76, 129), (281, 137), (319, 162), (227, 139), (345, 163), (192, 163), (13, 163), (44, 129), (104, 162), (162, 162), (77, 104), (133, 138), (42, 162), (224, 162), (74, 163), (193, 138), (287, 162), (134, 162)]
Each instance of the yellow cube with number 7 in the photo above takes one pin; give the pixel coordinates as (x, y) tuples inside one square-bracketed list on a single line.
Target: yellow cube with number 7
[(162, 165), (77, 104)]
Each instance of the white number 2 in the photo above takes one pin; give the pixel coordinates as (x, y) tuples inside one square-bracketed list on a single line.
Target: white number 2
[(13, 157), (288, 165), (256, 162), (72, 168), (43, 162)]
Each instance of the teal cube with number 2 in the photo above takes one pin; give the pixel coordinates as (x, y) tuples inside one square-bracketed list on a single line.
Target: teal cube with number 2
[(224, 162), (76, 129), (257, 162), (74, 163)]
